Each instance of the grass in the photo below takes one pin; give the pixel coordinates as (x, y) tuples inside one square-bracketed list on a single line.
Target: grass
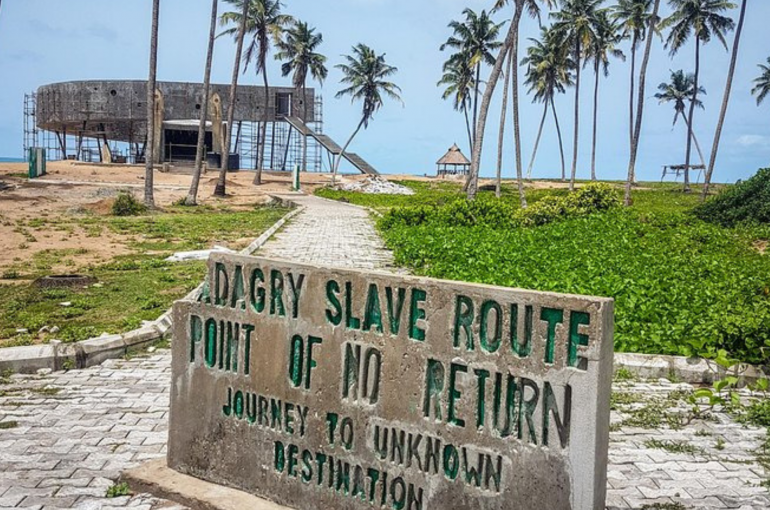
[(132, 288), (672, 446), (8, 425), (681, 286), (118, 490)]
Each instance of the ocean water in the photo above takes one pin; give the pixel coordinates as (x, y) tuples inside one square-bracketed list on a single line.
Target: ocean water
[(11, 160)]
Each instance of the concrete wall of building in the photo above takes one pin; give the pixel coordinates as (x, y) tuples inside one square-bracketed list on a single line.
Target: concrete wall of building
[(118, 109)]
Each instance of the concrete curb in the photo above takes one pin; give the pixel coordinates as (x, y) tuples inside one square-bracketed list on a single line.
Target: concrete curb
[(57, 355), (682, 369), (156, 478)]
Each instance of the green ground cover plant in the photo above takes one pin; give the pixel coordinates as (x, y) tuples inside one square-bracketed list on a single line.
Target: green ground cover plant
[(131, 288), (682, 286), (747, 202)]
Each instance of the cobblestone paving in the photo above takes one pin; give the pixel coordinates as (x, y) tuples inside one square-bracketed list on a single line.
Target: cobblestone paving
[(65, 437), (330, 233)]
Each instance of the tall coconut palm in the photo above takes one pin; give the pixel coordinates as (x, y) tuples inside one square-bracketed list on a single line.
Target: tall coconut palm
[(532, 8), (636, 136), (633, 17), (240, 36), (475, 39), (576, 21), (149, 153), (679, 92), (703, 20), (459, 82), (762, 83), (725, 100), (192, 195), (366, 75), (549, 71), (298, 51), (501, 136), (603, 46), (265, 24)]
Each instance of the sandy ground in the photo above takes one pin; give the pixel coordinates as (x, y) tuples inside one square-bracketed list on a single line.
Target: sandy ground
[(71, 189)]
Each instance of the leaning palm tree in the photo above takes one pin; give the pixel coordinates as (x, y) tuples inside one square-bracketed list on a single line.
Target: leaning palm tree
[(240, 36), (297, 50), (366, 75), (459, 82), (149, 152), (703, 20), (762, 84), (265, 24), (549, 71), (679, 92), (725, 100), (637, 130), (475, 39), (577, 24), (633, 17), (192, 195), (532, 8), (601, 48)]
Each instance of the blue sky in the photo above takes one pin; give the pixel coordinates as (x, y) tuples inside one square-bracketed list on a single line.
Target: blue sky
[(45, 41)]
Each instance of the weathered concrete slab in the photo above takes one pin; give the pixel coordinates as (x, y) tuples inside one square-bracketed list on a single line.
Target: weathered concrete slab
[(155, 477), (327, 388)]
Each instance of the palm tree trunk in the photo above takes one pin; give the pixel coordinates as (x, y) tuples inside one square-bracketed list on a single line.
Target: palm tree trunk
[(577, 116), (261, 162), (632, 87), (149, 158), (694, 139), (192, 195), (596, 112), (725, 101), (501, 135), (344, 149), (515, 84), (219, 190), (472, 183), (561, 143), (468, 128), (640, 106), (537, 140), (476, 99), (691, 116)]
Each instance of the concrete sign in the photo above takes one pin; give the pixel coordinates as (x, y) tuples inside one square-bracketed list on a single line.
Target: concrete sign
[(324, 388)]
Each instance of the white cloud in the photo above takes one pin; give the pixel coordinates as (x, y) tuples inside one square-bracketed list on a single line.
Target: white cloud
[(753, 141)]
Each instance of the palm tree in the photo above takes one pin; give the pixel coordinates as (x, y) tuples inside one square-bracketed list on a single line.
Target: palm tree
[(149, 153), (298, 51), (577, 24), (240, 35), (601, 48), (636, 136), (501, 135), (474, 39), (549, 70), (192, 195), (459, 82), (265, 24), (633, 17), (762, 84), (725, 101), (365, 74), (703, 20), (679, 91)]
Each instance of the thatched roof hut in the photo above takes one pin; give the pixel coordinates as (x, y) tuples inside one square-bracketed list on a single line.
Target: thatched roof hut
[(453, 162)]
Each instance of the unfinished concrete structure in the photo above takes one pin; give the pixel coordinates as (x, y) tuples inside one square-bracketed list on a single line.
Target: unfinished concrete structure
[(106, 121)]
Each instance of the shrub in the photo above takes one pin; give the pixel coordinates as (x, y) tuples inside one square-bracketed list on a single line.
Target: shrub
[(592, 198), (127, 205), (748, 202)]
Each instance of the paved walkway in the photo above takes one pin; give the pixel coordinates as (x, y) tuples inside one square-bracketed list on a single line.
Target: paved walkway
[(64, 437)]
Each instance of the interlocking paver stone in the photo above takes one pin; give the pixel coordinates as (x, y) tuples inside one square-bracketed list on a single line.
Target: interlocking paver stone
[(70, 446)]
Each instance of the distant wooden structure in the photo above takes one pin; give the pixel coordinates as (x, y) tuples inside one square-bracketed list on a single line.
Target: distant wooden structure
[(453, 162), (678, 170)]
